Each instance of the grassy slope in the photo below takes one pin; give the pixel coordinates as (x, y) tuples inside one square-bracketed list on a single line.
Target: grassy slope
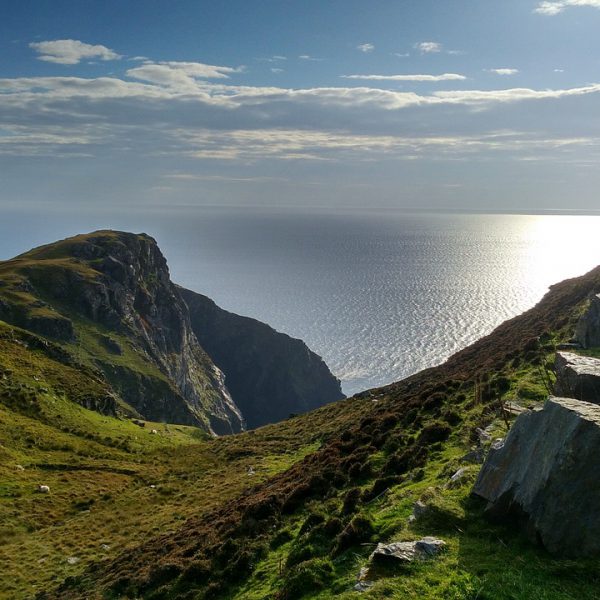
[(306, 531), (292, 530), (100, 470)]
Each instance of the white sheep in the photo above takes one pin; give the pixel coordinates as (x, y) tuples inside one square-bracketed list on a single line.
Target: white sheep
[(43, 489), (154, 431)]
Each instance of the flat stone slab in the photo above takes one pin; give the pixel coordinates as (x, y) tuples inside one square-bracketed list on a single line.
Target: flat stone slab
[(546, 476), (406, 552), (396, 553), (577, 376)]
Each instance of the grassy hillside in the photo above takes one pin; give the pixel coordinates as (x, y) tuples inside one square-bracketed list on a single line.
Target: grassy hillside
[(327, 486), (113, 484), (107, 300)]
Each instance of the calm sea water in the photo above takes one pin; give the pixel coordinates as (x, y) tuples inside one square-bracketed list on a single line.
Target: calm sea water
[(379, 295)]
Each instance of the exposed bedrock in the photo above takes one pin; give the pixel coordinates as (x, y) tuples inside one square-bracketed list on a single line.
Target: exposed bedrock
[(587, 332), (268, 373), (577, 377), (546, 476)]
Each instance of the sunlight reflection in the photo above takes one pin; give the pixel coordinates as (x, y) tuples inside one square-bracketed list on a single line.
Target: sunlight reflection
[(560, 247)]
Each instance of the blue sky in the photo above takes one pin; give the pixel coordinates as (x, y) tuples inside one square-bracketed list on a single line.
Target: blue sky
[(447, 104)]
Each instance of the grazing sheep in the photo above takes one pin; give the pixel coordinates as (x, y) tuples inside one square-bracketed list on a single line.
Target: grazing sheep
[(43, 489), (154, 431)]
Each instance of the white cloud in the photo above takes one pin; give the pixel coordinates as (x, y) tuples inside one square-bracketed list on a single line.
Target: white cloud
[(511, 95), (296, 144), (552, 8), (432, 78), (178, 74), (196, 177), (276, 70), (429, 47), (503, 71), (401, 54), (366, 48), (274, 58), (71, 52), (174, 113), (309, 57), (559, 70), (185, 81)]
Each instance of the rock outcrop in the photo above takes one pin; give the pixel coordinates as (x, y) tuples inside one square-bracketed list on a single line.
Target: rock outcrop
[(114, 288), (168, 354), (546, 474), (577, 377), (587, 332), (269, 374)]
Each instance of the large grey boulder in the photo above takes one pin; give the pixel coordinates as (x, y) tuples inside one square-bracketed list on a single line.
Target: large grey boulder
[(546, 474), (577, 377), (587, 332)]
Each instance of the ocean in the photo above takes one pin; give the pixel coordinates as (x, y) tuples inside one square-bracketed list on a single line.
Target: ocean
[(378, 294)]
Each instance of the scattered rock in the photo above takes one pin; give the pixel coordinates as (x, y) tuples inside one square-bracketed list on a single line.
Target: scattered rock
[(514, 409), (428, 547), (457, 479), (105, 547), (545, 474), (363, 583), (406, 552), (475, 456), (250, 471), (483, 435), (73, 560), (138, 423), (396, 553), (152, 486), (497, 444), (587, 332), (577, 376)]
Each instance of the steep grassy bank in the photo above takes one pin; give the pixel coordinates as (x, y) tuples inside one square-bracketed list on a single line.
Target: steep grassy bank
[(306, 531)]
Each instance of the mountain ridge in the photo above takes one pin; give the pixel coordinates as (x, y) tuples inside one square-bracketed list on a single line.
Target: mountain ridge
[(109, 296)]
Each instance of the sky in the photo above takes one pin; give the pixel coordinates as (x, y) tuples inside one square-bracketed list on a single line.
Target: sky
[(130, 105)]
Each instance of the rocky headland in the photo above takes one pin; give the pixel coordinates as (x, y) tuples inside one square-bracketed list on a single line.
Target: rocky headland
[(107, 298)]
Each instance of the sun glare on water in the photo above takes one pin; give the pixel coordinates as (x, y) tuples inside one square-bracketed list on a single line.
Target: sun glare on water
[(560, 247)]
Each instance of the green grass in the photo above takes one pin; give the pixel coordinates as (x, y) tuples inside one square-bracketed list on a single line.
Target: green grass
[(116, 487), (100, 469)]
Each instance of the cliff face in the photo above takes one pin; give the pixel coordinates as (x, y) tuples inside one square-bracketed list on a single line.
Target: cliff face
[(109, 294), (269, 374), (168, 354)]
